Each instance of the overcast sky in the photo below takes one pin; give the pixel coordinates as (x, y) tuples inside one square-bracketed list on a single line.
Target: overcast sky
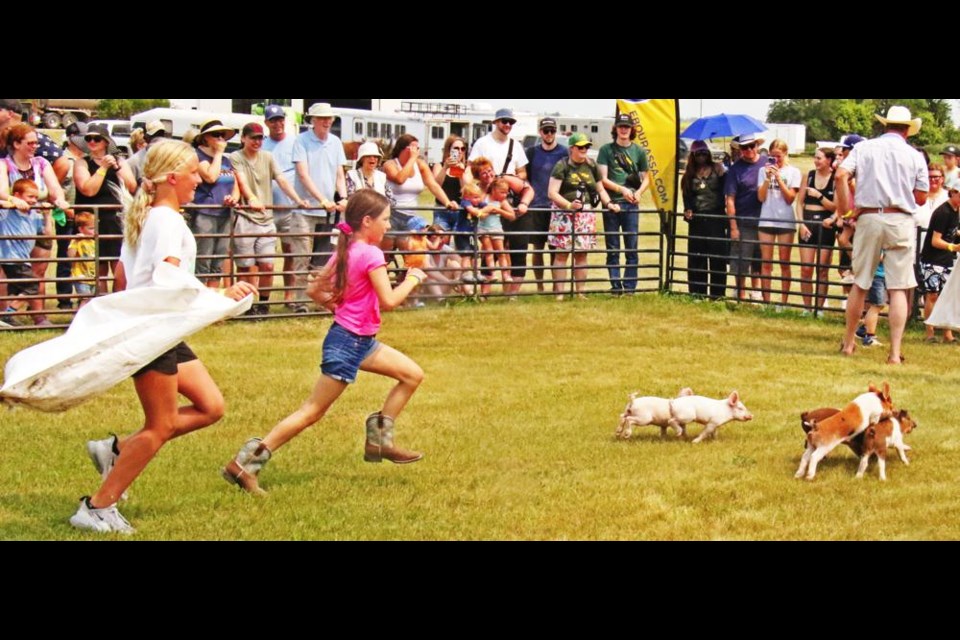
[(606, 107)]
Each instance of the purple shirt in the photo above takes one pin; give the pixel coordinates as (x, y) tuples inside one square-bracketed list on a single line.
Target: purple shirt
[(741, 182), (359, 312)]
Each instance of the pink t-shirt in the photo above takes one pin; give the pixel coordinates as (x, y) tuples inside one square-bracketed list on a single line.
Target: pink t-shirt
[(360, 310)]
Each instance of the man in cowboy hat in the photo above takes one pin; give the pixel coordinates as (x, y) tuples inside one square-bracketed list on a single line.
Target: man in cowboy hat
[(892, 182), (318, 158), (743, 211)]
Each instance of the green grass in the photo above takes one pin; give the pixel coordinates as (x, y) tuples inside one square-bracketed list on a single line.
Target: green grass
[(516, 418)]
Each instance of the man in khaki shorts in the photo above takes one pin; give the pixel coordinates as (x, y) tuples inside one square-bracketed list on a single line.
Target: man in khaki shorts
[(891, 183)]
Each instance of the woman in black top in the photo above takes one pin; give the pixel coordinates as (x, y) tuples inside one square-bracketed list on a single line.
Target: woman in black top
[(939, 255), (448, 173), (99, 180), (707, 244), (818, 231)]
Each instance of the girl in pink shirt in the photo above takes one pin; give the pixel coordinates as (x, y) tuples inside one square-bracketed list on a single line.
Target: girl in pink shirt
[(354, 285)]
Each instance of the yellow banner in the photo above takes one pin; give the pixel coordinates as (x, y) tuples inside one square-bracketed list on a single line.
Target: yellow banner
[(657, 125)]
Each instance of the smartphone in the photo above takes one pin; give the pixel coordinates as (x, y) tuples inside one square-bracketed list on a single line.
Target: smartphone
[(455, 154)]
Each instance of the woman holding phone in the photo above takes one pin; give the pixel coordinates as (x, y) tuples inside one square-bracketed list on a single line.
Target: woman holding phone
[(778, 183)]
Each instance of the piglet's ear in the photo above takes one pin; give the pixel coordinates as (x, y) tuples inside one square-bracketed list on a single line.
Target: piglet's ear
[(886, 391), (873, 388), (734, 399)]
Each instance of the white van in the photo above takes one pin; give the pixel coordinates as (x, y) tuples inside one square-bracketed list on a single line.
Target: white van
[(178, 121)]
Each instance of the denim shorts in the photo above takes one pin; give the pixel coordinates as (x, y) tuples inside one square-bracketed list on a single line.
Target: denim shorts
[(343, 351), (446, 219), (877, 295)]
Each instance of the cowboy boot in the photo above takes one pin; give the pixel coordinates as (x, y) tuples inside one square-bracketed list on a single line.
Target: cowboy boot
[(243, 470), (379, 444)]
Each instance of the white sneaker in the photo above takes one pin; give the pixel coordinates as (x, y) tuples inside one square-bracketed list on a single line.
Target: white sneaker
[(117, 522), (102, 455), (101, 520)]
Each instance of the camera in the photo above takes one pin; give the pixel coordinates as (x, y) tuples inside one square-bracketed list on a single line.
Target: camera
[(771, 161)]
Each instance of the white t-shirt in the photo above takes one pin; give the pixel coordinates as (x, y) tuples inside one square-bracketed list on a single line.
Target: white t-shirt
[(164, 235), (775, 212), (496, 153)]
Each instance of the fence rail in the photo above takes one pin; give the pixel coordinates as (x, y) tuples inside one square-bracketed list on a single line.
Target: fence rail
[(663, 258)]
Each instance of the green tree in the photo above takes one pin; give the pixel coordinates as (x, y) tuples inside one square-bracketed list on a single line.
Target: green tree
[(831, 118), (123, 108)]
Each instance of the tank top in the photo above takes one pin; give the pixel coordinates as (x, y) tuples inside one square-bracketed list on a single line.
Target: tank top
[(104, 195), (451, 187), (34, 173), (406, 194), (827, 191)]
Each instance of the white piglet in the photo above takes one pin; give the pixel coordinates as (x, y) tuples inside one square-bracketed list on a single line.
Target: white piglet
[(708, 412), (649, 410)]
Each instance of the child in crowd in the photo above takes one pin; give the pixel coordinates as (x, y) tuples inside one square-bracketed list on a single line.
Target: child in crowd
[(876, 300), (13, 222), (489, 227), (83, 271)]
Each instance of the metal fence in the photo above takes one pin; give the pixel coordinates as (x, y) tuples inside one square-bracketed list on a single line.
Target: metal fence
[(57, 302), (663, 264), (679, 278)]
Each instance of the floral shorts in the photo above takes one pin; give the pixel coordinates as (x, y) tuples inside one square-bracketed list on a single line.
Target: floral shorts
[(933, 277), (583, 224)]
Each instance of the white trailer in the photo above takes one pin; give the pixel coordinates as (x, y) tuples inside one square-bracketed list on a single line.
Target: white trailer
[(795, 135), (178, 121)]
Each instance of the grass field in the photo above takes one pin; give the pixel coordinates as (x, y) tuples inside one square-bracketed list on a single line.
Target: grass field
[(516, 418)]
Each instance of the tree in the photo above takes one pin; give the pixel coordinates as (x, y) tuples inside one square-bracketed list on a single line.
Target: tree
[(123, 108), (829, 119)]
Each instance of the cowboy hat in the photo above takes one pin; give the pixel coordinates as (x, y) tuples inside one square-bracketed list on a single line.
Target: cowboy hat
[(900, 115), (211, 126), (320, 110)]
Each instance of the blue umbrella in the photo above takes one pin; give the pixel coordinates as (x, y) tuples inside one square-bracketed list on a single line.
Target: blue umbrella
[(722, 125)]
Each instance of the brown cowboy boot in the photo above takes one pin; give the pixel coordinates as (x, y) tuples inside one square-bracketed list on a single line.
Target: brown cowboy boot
[(243, 470), (379, 443)]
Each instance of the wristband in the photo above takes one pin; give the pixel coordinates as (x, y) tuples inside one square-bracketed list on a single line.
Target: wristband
[(412, 275), (101, 171)]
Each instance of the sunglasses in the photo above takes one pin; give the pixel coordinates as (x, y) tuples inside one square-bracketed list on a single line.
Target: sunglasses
[(457, 148), (548, 131), (509, 122), (583, 147), (752, 145), (93, 139), (218, 134)]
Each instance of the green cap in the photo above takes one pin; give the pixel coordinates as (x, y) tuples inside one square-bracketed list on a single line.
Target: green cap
[(579, 140)]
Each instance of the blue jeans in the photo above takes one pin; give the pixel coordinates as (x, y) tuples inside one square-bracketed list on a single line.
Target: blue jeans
[(627, 222)]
